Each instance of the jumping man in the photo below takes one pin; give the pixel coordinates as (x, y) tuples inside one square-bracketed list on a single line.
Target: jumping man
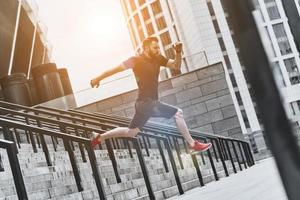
[(146, 68)]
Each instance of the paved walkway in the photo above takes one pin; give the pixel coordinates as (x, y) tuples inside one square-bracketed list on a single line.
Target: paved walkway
[(260, 182)]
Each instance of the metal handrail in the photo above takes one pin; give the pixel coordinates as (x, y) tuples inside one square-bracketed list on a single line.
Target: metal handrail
[(6, 124), (174, 133), (83, 119), (66, 124), (245, 145), (15, 168), (81, 114)]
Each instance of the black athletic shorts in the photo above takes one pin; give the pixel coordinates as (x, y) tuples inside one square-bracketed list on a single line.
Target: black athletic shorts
[(146, 108)]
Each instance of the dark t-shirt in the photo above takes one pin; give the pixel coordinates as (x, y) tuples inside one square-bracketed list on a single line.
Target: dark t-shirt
[(146, 71)]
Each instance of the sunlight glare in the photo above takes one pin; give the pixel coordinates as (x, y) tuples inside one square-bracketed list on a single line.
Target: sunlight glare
[(104, 26)]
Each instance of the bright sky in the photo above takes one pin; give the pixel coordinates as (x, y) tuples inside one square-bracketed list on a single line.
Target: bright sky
[(88, 36)]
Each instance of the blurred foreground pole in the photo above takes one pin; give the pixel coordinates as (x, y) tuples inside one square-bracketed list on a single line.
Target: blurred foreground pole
[(279, 133)]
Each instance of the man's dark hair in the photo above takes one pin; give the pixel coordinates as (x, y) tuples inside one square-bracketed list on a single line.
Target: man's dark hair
[(148, 41)]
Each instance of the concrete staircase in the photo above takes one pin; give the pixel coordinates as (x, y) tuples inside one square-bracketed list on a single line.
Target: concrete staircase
[(57, 181)]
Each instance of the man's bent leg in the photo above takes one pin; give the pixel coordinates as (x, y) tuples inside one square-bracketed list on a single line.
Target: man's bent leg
[(182, 127)]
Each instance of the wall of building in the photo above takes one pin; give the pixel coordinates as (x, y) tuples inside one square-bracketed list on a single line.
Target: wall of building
[(30, 47), (23, 43), (203, 95)]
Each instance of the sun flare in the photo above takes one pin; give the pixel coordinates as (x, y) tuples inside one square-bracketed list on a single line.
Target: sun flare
[(104, 25)]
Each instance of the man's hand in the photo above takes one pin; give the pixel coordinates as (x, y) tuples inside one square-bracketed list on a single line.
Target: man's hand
[(95, 82), (178, 47)]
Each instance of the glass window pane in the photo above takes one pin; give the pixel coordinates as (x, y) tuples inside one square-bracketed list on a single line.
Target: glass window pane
[(150, 29), (292, 70), (132, 5), (141, 2), (161, 23), (156, 7), (233, 81), (282, 39), (165, 38), (145, 14), (272, 9)]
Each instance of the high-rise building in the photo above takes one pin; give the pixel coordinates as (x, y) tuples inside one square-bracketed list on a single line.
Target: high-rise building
[(278, 40), (204, 27)]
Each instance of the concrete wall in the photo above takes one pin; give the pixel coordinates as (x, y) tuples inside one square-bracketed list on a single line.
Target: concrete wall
[(203, 95)]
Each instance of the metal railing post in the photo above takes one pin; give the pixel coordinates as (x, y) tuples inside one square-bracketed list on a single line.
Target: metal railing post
[(16, 172), (162, 155), (196, 165), (113, 159), (236, 155), (174, 167), (143, 168), (96, 174), (242, 155), (178, 152), (73, 164), (221, 157), (230, 156)]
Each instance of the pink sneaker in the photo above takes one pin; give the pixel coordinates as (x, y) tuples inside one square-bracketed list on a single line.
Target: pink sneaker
[(199, 147), (95, 140)]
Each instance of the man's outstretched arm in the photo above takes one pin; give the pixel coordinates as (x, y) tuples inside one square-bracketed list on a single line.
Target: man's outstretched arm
[(176, 64), (107, 73)]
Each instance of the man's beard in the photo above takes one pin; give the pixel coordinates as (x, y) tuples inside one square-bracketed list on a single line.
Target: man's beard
[(153, 55)]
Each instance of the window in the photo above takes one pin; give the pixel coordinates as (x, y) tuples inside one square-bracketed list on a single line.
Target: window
[(233, 81), (245, 118), (156, 7), (165, 38), (211, 9), (227, 62), (282, 39), (292, 70), (146, 17), (272, 9), (145, 14), (279, 30), (221, 42), (239, 98), (150, 29), (132, 5), (141, 2), (216, 26), (161, 23)]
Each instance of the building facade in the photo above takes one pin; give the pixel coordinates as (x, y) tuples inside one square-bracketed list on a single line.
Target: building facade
[(203, 28), (282, 51), (23, 38)]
